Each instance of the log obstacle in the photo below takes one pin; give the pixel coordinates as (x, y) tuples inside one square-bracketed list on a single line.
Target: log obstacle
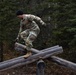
[(42, 54), (21, 61), (55, 59)]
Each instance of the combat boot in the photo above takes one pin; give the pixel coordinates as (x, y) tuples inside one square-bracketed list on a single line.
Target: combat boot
[(29, 53)]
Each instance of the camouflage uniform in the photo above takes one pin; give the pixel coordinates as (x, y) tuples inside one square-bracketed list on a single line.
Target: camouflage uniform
[(29, 30)]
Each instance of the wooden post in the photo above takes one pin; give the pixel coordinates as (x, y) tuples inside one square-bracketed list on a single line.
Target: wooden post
[(1, 51), (40, 67)]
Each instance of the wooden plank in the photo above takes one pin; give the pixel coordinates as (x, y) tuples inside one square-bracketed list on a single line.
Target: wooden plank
[(21, 61)]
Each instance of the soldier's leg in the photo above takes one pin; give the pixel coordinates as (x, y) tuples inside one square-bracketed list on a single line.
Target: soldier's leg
[(32, 36), (24, 36)]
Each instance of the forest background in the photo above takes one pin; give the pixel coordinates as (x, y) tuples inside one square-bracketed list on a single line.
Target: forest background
[(59, 15)]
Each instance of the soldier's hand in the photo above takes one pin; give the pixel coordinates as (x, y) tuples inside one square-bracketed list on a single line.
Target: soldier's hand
[(17, 39)]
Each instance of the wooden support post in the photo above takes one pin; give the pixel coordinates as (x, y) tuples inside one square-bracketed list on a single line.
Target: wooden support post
[(40, 67), (1, 51)]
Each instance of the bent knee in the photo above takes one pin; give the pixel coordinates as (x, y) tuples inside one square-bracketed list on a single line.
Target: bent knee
[(32, 37)]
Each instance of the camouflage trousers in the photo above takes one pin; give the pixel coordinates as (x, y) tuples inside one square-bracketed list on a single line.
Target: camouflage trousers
[(29, 36)]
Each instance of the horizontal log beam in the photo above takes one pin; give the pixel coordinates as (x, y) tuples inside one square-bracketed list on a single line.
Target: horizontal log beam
[(21, 61), (18, 45)]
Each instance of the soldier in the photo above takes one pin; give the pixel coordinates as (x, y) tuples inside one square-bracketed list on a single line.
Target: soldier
[(29, 29)]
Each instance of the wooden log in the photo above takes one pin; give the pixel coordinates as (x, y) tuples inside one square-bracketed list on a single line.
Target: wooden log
[(21, 61), (63, 62), (32, 49)]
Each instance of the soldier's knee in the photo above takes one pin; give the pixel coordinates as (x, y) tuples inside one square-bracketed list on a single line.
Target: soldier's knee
[(24, 34), (32, 37)]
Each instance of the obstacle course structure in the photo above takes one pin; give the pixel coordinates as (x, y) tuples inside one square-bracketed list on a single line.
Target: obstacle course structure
[(39, 55)]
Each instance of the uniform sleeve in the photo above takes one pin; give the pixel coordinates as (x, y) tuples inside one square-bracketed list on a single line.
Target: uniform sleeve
[(36, 18)]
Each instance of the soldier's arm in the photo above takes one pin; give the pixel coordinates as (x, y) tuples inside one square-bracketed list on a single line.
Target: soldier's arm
[(33, 17)]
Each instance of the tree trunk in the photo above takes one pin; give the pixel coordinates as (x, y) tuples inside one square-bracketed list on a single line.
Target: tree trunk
[(1, 51)]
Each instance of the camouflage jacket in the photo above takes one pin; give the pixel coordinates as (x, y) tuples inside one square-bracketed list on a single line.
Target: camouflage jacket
[(31, 25)]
